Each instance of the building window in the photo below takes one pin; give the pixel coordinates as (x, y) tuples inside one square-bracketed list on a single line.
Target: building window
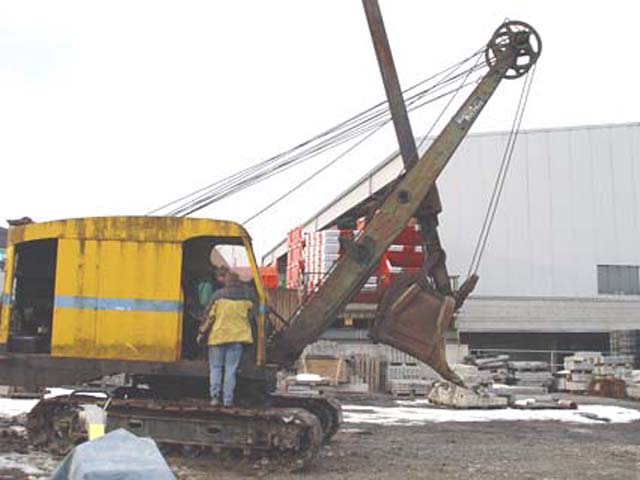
[(619, 279)]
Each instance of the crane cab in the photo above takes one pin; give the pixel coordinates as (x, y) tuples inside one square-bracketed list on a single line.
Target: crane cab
[(116, 289)]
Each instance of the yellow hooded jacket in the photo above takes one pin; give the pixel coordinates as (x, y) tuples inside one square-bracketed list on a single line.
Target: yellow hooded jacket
[(227, 318)]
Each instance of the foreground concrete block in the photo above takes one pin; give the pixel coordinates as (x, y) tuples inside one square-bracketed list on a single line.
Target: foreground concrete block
[(450, 395)]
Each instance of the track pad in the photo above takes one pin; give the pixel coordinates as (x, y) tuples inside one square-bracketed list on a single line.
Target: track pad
[(414, 318)]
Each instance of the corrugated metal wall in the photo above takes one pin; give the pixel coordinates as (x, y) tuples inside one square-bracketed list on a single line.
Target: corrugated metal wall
[(571, 202)]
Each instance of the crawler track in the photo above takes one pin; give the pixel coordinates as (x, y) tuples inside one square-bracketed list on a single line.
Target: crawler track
[(291, 435), (327, 410), (54, 424)]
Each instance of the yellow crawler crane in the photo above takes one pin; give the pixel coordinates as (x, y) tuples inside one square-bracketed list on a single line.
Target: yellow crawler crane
[(85, 298)]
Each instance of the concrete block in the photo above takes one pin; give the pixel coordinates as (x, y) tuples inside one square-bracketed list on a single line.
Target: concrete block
[(352, 388), (5, 390), (561, 384), (582, 361), (573, 364), (617, 360), (450, 395), (616, 371), (633, 391), (470, 374), (591, 357), (572, 386), (515, 390), (407, 387), (529, 366), (581, 377), (407, 372)]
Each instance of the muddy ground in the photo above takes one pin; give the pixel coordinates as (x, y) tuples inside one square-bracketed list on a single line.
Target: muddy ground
[(509, 450), (479, 450)]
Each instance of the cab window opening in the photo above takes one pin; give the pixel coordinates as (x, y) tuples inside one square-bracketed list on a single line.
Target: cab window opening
[(33, 296), (202, 257)]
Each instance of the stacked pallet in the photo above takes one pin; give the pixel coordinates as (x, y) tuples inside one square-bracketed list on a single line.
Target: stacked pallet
[(373, 367), (350, 370), (322, 250), (295, 260), (410, 388), (578, 371), (331, 368), (614, 366), (491, 368), (325, 359), (324, 347), (611, 376), (497, 377), (595, 373), (633, 385), (531, 374), (406, 375)]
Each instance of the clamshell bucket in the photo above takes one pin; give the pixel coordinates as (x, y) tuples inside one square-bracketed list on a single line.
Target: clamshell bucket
[(414, 318)]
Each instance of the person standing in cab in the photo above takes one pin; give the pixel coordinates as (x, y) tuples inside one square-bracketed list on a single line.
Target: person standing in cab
[(209, 283), (226, 327)]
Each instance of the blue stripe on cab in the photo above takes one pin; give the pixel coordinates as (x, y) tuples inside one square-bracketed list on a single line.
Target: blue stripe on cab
[(5, 298), (124, 304)]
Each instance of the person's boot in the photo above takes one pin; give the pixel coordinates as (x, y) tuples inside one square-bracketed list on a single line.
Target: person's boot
[(215, 402)]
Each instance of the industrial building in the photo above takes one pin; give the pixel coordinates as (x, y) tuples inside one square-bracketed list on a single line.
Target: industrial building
[(561, 268)]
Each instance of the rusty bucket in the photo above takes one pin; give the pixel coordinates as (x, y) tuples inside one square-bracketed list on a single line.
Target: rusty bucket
[(414, 318)]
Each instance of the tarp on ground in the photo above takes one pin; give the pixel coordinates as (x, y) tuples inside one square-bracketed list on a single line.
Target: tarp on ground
[(118, 455)]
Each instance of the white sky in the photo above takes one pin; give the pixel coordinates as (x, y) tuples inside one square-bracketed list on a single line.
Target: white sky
[(113, 108)]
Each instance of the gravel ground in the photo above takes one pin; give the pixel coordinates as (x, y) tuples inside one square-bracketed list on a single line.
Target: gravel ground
[(509, 450), (447, 450), (478, 450)]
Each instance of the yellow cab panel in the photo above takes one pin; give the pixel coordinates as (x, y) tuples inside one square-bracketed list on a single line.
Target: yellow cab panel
[(5, 297), (115, 287)]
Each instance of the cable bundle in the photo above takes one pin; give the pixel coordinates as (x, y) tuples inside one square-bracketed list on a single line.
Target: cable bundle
[(363, 125)]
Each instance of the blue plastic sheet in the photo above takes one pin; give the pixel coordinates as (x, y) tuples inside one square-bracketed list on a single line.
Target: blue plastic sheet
[(118, 455)]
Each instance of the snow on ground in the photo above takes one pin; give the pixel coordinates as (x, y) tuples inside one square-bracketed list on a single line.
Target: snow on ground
[(35, 465), (308, 377), (11, 407), (59, 392), (18, 463), (413, 403), (418, 412), (421, 415)]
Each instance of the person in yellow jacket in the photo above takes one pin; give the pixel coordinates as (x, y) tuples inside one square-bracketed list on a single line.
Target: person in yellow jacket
[(226, 327)]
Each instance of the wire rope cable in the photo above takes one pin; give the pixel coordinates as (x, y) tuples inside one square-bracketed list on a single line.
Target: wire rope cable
[(370, 120), (353, 147), (250, 176), (501, 176)]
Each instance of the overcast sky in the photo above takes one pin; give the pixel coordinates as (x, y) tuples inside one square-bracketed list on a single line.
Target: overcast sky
[(113, 108)]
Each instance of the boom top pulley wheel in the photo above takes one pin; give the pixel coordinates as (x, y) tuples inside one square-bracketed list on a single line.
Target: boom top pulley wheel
[(519, 42)]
